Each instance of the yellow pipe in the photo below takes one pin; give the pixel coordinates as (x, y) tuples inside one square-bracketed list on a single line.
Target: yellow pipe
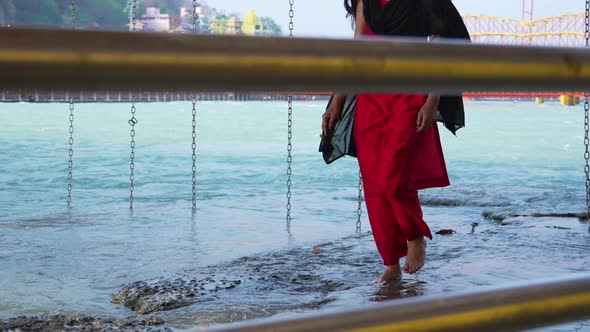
[(369, 66), (89, 60), (518, 307), (507, 316)]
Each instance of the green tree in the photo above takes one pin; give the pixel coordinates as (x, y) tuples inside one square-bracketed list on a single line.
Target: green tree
[(109, 14), (270, 25), (105, 14), (204, 24), (45, 13)]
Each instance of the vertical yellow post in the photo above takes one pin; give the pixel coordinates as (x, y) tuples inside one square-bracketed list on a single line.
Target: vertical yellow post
[(539, 100), (567, 100)]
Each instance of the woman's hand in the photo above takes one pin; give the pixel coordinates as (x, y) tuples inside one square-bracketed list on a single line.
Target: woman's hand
[(332, 114), (428, 113)]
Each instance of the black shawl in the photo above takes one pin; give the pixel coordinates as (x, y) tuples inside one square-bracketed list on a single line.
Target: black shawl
[(422, 18)]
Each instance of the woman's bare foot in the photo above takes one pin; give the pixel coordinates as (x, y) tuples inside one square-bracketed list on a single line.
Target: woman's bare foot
[(392, 273), (416, 255)]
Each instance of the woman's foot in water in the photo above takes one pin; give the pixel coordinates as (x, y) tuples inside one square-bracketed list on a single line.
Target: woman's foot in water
[(392, 273), (416, 255)]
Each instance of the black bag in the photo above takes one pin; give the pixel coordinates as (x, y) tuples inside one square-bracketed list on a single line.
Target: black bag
[(340, 141)]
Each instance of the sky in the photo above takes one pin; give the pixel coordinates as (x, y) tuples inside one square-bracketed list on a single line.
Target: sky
[(326, 18)]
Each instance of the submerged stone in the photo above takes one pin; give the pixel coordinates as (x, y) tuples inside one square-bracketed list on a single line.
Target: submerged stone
[(144, 298), (446, 232), (82, 323)]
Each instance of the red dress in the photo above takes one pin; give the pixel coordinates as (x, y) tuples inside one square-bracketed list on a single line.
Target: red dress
[(396, 161)]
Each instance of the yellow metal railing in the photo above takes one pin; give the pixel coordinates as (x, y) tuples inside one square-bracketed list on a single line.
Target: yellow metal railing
[(526, 24), (513, 308), (101, 61), (528, 35)]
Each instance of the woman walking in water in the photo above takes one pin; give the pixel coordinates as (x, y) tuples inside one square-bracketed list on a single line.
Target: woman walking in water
[(396, 136)]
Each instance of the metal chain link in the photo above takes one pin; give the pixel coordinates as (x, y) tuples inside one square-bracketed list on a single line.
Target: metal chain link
[(195, 18), (587, 154), (587, 121), (289, 158), (71, 152), (290, 128), (359, 209), (291, 15), (71, 129), (194, 146), (132, 122), (134, 14), (73, 15)]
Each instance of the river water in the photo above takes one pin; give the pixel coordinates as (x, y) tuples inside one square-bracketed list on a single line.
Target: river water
[(513, 157)]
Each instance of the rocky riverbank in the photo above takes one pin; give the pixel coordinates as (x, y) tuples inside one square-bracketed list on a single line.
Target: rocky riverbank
[(81, 323)]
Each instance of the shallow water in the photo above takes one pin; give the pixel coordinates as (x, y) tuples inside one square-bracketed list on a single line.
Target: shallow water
[(512, 158)]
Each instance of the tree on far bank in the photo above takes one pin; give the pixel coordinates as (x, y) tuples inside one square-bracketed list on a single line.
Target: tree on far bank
[(271, 25)]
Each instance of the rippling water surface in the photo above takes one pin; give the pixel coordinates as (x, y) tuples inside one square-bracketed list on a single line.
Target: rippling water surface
[(512, 158)]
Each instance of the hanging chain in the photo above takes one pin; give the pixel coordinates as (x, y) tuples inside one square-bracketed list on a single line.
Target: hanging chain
[(359, 210), (587, 121), (587, 154), (71, 129), (291, 15), (132, 122), (134, 14), (70, 152), (194, 101), (289, 159), (290, 128), (195, 18), (73, 15), (194, 146)]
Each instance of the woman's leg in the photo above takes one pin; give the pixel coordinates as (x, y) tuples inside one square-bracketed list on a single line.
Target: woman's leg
[(389, 238), (384, 142), (408, 213)]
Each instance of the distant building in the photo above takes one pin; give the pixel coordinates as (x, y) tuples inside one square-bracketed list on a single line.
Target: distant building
[(252, 26), (185, 12), (233, 26), (218, 26), (175, 23), (188, 12), (186, 20), (154, 20)]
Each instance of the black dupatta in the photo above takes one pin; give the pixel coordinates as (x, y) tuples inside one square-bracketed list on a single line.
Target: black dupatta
[(422, 18), (402, 18)]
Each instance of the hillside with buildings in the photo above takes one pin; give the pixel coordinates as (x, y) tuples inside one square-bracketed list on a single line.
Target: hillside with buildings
[(153, 15), (209, 21)]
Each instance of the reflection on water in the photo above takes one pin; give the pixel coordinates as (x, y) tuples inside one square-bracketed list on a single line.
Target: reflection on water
[(399, 289)]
